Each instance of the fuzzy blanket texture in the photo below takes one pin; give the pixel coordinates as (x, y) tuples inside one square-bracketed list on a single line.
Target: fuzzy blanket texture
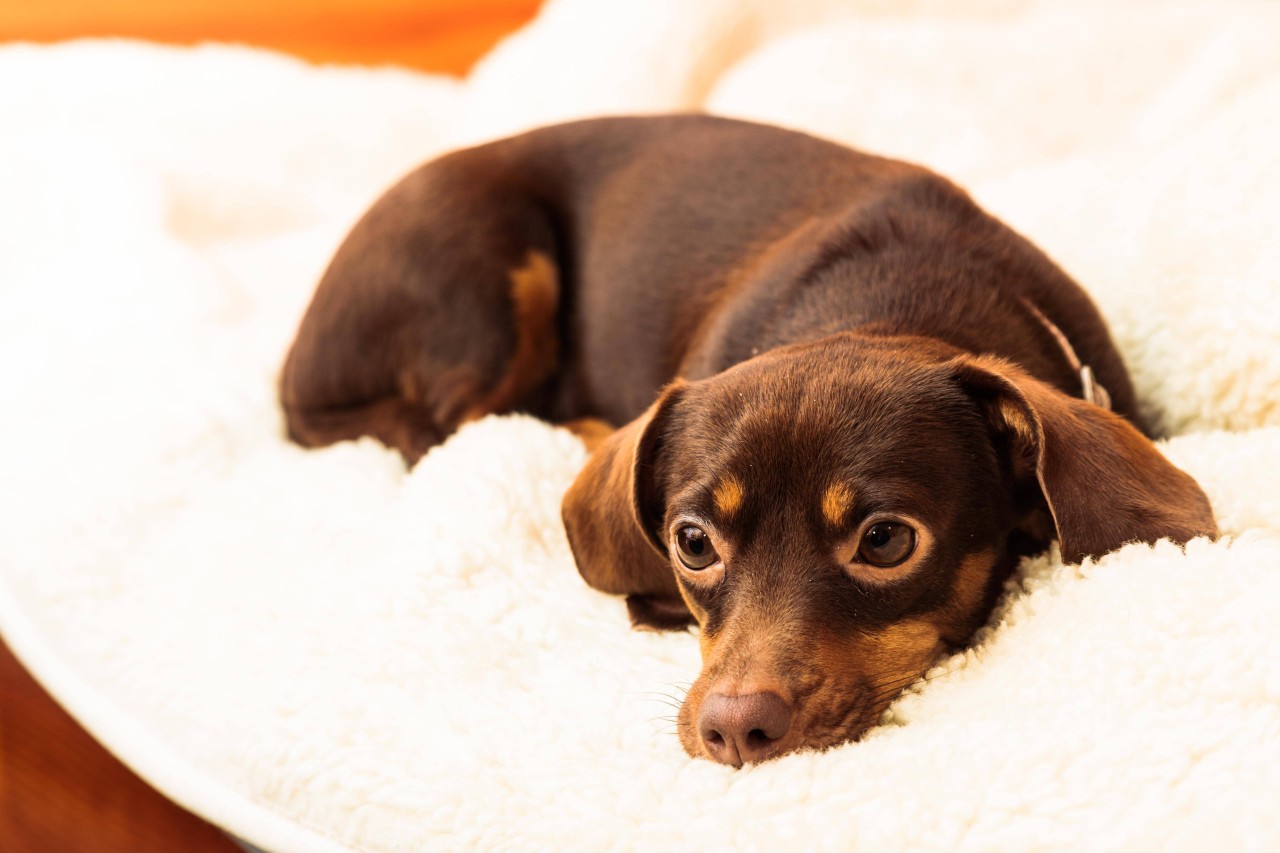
[(324, 651)]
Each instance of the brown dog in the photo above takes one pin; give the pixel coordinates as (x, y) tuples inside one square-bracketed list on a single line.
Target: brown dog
[(852, 400)]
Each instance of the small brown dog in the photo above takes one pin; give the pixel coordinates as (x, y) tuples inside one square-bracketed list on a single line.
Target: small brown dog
[(851, 399)]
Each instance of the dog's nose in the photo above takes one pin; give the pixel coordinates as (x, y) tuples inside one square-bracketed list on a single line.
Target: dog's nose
[(743, 729)]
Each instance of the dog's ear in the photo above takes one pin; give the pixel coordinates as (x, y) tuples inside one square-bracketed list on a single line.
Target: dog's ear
[(1104, 482), (613, 513)]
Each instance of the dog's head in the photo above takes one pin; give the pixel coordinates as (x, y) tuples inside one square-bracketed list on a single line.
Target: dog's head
[(834, 515)]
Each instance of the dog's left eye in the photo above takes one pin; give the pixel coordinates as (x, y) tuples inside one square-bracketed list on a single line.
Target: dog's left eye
[(694, 547), (886, 544)]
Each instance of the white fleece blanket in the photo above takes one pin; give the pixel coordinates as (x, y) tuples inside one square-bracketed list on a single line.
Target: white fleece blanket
[(320, 651)]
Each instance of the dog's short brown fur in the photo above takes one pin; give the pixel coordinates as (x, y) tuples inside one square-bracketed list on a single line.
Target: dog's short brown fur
[(801, 343)]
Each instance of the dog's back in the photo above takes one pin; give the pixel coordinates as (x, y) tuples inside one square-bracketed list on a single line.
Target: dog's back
[(583, 266)]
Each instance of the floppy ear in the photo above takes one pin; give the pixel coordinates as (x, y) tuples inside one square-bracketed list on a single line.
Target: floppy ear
[(1105, 483), (611, 515)]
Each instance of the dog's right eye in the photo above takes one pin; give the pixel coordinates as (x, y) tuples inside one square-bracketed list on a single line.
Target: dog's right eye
[(694, 548)]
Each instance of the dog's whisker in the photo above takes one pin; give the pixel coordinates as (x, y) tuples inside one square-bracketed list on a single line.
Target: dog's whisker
[(895, 685), (889, 691), (890, 686), (647, 693), (655, 696), (673, 706), (905, 680)]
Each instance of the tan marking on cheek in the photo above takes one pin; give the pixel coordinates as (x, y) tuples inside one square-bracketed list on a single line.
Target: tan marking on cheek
[(728, 495), (964, 612), (887, 657), (868, 669), (897, 656), (911, 640), (836, 502), (971, 580)]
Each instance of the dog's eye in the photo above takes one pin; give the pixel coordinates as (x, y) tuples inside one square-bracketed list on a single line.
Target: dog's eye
[(886, 544), (694, 547)]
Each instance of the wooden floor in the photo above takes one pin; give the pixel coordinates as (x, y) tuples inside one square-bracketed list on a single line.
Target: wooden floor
[(61, 791)]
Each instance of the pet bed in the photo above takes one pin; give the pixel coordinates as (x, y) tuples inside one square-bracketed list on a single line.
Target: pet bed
[(319, 650)]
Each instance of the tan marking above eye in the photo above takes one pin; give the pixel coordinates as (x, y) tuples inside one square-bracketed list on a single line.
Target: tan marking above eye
[(728, 495), (836, 502)]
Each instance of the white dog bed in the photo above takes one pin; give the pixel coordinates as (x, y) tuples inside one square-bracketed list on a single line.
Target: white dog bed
[(320, 651)]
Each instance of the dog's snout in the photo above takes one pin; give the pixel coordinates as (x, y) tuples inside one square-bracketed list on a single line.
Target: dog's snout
[(743, 729)]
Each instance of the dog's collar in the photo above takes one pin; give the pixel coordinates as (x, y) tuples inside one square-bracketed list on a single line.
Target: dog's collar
[(1091, 389)]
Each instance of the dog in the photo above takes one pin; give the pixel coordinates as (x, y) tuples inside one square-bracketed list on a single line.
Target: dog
[(848, 400)]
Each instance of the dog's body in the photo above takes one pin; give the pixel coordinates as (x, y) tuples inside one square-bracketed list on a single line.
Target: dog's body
[(870, 408)]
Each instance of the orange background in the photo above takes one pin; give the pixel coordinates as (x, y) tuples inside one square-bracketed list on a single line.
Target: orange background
[(433, 35)]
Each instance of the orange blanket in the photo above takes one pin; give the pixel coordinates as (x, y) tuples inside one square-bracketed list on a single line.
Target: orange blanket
[(435, 35)]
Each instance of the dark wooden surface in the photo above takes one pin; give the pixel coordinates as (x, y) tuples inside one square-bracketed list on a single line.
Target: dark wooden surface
[(61, 791)]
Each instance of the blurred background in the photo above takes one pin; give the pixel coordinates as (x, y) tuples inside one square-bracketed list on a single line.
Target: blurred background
[(445, 36), (60, 790)]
